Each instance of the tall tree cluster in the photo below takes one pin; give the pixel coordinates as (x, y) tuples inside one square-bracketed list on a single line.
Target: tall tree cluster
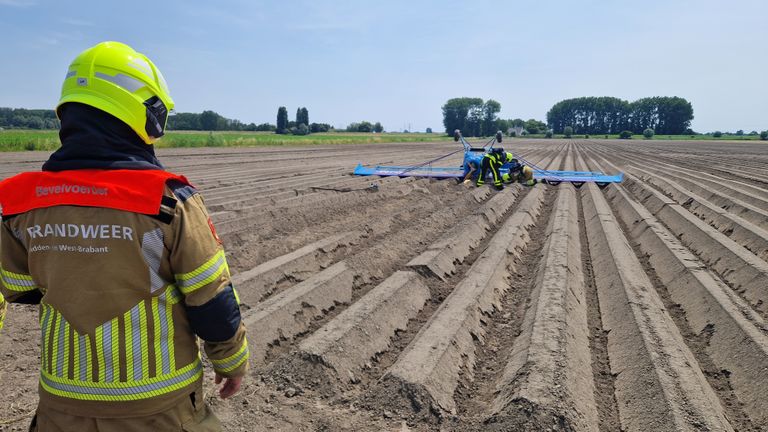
[(472, 116), (282, 120), (301, 126), (609, 115), (302, 116)]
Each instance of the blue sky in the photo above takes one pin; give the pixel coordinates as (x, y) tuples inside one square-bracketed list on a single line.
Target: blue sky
[(398, 61)]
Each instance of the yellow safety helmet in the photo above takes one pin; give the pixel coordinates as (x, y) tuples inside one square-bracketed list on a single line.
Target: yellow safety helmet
[(114, 78)]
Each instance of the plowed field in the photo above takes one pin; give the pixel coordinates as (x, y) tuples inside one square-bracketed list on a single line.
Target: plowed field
[(420, 304)]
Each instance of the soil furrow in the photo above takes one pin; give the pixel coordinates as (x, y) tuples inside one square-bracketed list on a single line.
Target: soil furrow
[(659, 385), (719, 322), (427, 305), (426, 374)]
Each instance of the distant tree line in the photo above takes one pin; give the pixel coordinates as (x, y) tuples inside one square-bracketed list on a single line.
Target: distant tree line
[(301, 126), (20, 118), (609, 115), (475, 118), (212, 121), (365, 126), (530, 126)]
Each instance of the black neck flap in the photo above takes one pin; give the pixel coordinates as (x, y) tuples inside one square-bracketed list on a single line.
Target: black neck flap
[(94, 139)]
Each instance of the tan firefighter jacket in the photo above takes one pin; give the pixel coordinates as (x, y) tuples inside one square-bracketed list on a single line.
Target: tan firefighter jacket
[(125, 295)]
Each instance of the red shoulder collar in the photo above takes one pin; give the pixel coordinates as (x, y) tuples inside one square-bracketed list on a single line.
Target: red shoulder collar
[(137, 191)]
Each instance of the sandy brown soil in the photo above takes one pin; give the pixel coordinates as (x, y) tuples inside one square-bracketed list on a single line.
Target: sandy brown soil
[(423, 305)]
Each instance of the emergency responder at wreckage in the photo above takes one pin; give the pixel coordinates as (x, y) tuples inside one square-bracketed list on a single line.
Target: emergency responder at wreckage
[(494, 160), (124, 261)]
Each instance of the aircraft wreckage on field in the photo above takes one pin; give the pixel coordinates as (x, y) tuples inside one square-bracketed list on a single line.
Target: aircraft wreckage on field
[(473, 157)]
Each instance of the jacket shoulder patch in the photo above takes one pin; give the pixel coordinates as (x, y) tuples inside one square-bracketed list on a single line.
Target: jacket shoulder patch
[(182, 191)]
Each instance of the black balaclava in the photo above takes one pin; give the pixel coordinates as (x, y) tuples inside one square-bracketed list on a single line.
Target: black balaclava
[(93, 139)]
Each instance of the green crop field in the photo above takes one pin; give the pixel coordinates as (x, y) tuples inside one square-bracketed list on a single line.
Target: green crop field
[(30, 140), (48, 140)]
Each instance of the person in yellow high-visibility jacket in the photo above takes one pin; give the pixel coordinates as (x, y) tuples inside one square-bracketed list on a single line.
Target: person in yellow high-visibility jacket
[(519, 173), (491, 163), (494, 160), (124, 261)]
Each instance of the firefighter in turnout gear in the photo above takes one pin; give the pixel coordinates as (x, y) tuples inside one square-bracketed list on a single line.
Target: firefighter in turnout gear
[(519, 173), (494, 160), (124, 261), (491, 163)]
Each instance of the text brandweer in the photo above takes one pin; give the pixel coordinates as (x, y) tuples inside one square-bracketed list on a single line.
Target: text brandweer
[(81, 231), (70, 188)]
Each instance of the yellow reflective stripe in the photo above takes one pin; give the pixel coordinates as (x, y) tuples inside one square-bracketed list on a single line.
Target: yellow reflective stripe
[(144, 342), (169, 302), (63, 365), (212, 277), (115, 350), (172, 294), (203, 275), (3, 308), (100, 353), (88, 359), (122, 391), (237, 296), (76, 364), (55, 348), (107, 351), (16, 281), (234, 361), (156, 321), (128, 345), (45, 331), (202, 268)]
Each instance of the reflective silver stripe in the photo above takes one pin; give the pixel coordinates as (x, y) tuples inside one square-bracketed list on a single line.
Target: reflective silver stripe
[(106, 344), (215, 267), (173, 295), (44, 332), (158, 387), (70, 74), (152, 248), (141, 65), (128, 83), (17, 284), (84, 366), (51, 336), (60, 358), (230, 364), (15, 281), (137, 339), (164, 334)]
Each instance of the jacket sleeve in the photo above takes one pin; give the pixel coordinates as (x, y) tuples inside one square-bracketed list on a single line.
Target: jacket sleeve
[(200, 267), (16, 284)]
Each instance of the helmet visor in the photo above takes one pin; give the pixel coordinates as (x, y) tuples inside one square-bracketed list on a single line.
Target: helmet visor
[(157, 117)]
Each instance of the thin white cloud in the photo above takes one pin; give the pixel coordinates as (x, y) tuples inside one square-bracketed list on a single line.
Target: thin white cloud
[(18, 3), (49, 40), (325, 26), (76, 22)]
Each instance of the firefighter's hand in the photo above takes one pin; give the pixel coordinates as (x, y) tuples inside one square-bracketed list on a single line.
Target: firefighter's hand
[(230, 387)]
